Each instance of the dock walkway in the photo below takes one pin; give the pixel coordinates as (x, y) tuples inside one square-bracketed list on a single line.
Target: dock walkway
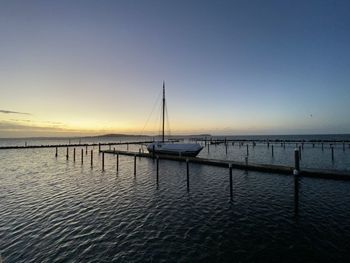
[(269, 168), (72, 145)]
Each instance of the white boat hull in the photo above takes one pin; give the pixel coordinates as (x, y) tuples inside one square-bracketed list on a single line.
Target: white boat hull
[(179, 149)]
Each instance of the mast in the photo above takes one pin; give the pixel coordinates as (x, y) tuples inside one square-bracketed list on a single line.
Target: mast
[(163, 110)]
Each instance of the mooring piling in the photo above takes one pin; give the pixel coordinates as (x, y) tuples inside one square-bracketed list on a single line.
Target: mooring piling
[(322, 146), (99, 148), (332, 148), (67, 154), (103, 161), (343, 146), (74, 155), (230, 172), (86, 149), (300, 153), (91, 158), (296, 160), (56, 154), (272, 150), (188, 174), (117, 162), (247, 150), (157, 170), (135, 164)]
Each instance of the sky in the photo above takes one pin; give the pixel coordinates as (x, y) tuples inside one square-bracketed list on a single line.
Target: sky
[(230, 67)]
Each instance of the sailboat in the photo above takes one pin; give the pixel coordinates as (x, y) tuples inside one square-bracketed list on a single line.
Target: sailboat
[(180, 149)]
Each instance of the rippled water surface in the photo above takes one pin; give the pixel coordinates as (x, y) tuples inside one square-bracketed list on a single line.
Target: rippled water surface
[(54, 210)]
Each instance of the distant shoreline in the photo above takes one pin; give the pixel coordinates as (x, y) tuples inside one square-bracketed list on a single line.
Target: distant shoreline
[(171, 136)]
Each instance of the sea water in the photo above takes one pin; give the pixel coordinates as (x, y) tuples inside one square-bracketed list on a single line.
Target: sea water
[(57, 210)]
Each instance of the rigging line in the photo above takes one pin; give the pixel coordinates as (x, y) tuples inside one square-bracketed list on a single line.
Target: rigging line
[(149, 116), (167, 119), (161, 121)]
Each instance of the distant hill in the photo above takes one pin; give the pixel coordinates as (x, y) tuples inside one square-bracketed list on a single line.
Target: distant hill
[(116, 135), (137, 135)]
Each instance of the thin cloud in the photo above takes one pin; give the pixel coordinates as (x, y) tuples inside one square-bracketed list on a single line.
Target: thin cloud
[(13, 112)]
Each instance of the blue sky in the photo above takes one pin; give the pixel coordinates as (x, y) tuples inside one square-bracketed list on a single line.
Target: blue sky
[(231, 67)]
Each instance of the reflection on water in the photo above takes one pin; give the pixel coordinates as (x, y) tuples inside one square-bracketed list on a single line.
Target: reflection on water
[(55, 210), (296, 196)]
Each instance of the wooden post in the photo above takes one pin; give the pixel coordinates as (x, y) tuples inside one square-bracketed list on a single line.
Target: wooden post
[(225, 147), (157, 170), (230, 172), (82, 155), (188, 174), (246, 162), (332, 153), (86, 149), (247, 150), (117, 162), (135, 164), (300, 153), (268, 144), (103, 161), (91, 157), (56, 154), (99, 148), (153, 151), (272, 150), (296, 160), (74, 155), (67, 154)]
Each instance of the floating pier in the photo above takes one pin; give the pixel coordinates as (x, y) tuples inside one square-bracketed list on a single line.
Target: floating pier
[(268, 168), (86, 145)]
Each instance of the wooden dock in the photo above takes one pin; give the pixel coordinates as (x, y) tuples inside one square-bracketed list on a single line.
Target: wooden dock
[(73, 145), (268, 168)]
